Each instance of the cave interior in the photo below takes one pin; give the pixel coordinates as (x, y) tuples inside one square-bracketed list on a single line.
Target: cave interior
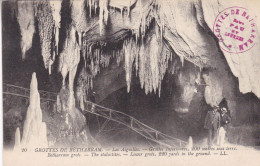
[(127, 58)]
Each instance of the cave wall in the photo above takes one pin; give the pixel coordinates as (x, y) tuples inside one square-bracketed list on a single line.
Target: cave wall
[(244, 65)]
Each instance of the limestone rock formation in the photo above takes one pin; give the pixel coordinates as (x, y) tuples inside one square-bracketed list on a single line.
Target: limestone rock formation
[(17, 144), (56, 7), (197, 45), (34, 130), (106, 44), (190, 143), (72, 129), (26, 21)]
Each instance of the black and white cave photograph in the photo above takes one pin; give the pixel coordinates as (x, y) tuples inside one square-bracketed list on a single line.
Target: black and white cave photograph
[(136, 74)]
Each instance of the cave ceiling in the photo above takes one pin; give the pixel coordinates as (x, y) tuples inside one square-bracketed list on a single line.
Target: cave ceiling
[(144, 37)]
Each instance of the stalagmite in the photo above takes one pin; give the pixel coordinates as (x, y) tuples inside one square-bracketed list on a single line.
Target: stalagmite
[(190, 143), (26, 21), (43, 135), (17, 143), (34, 131)]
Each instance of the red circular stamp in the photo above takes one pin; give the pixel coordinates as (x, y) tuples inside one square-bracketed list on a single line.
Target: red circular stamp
[(235, 29)]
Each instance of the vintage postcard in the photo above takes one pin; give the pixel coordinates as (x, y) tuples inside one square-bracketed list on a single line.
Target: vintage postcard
[(130, 82)]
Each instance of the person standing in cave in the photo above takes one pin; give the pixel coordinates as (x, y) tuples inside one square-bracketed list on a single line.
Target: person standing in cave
[(225, 120), (212, 124)]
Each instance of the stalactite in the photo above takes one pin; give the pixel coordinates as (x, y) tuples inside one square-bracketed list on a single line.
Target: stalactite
[(46, 26), (119, 56), (148, 53), (103, 14), (162, 24), (92, 4), (70, 56), (151, 61), (130, 52), (96, 59), (90, 7), (105, 59), (125, 4), (68, 63), (25, 19), (79, 20), (214, 89), (56, 7)]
